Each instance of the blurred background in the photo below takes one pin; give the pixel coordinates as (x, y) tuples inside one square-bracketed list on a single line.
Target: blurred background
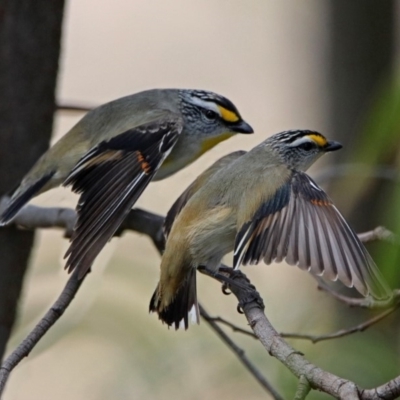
[(331, 66)]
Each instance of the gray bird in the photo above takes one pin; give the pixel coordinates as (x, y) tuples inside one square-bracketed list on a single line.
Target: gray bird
[(115, 150), (263, 206)]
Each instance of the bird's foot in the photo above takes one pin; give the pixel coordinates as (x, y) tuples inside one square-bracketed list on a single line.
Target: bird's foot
[(236, 278), (251, 294)]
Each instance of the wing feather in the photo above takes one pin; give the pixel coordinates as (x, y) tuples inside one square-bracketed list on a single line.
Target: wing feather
[(270, 239), (110, 178), (284, 233), (305, 228)]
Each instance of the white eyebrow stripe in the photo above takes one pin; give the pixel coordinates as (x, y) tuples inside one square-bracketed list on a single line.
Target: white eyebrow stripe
[(209, 105), (304, 139)]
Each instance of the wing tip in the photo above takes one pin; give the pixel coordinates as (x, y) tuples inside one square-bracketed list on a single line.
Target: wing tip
[(16, 203)]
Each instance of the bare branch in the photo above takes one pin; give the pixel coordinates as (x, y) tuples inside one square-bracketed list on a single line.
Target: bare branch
[(291, 358), (50, 318), (33, 217), (74, 107), (240, 354), (377, 172), (146, 223), (234, 327), (295, 361), (342, 332), (318, 379), (264, 331), (141, 221), (379, 233), (314, 338), (367, 302), (390, 390)]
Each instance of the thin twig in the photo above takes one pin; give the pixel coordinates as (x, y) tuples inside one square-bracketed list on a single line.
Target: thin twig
[(314, 338), (295, 361), (303, 388), (274, 344), (137, 220), (367, 302), (50, 318), (234, 327), (377, 172), (342, 332), (379, 233), (74, 107), (291, 358), (240, 354)]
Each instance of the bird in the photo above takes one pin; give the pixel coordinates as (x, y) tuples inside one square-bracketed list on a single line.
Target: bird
[(261, 205), (110, 156)]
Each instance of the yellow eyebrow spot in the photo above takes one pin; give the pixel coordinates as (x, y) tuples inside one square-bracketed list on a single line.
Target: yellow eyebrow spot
[(320, 140), (227, 115)]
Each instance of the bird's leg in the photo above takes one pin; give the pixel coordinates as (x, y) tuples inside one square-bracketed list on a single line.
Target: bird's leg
[(232, 273), (236, 279), (251, 292)]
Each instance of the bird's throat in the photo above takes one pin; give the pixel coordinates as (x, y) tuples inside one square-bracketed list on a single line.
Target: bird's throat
[(211, 142)]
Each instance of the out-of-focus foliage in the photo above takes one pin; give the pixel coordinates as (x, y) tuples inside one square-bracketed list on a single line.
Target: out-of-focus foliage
[(374, 179), (381, 148)]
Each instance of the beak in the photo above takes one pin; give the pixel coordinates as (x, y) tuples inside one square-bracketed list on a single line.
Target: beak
[(241, 127), (333, 146)]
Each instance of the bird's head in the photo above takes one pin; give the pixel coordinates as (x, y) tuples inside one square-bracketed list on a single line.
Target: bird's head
[(299, 149)]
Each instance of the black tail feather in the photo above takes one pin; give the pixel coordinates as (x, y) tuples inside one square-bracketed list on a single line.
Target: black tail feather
[(184, 300), (17, 203)]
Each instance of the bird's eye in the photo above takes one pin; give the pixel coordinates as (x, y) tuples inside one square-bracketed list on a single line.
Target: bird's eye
[(306, 146), (211, 115)]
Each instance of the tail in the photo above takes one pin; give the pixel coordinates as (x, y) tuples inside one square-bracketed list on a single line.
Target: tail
[(180, 306), (21, 196)]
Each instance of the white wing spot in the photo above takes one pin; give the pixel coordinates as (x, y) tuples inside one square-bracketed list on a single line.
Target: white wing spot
[(314, 185)]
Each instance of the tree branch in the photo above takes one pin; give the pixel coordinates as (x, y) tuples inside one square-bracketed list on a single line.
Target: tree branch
[(141, 221), (240, 354), (342, 332), (314, 338), (234, 327), (74, 107), (295, 361), (276, 346), (33, 217), (50, 318), (379, 233), (367, 302), (366, 170)]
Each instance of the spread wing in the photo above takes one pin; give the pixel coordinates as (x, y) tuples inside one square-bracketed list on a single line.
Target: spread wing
[(195, 186), (303, 227), (110, 178)]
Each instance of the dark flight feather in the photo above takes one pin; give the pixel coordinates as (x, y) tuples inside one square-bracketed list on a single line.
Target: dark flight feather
[(301, 225), (178, 310), (18, 202), (110, 179)]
